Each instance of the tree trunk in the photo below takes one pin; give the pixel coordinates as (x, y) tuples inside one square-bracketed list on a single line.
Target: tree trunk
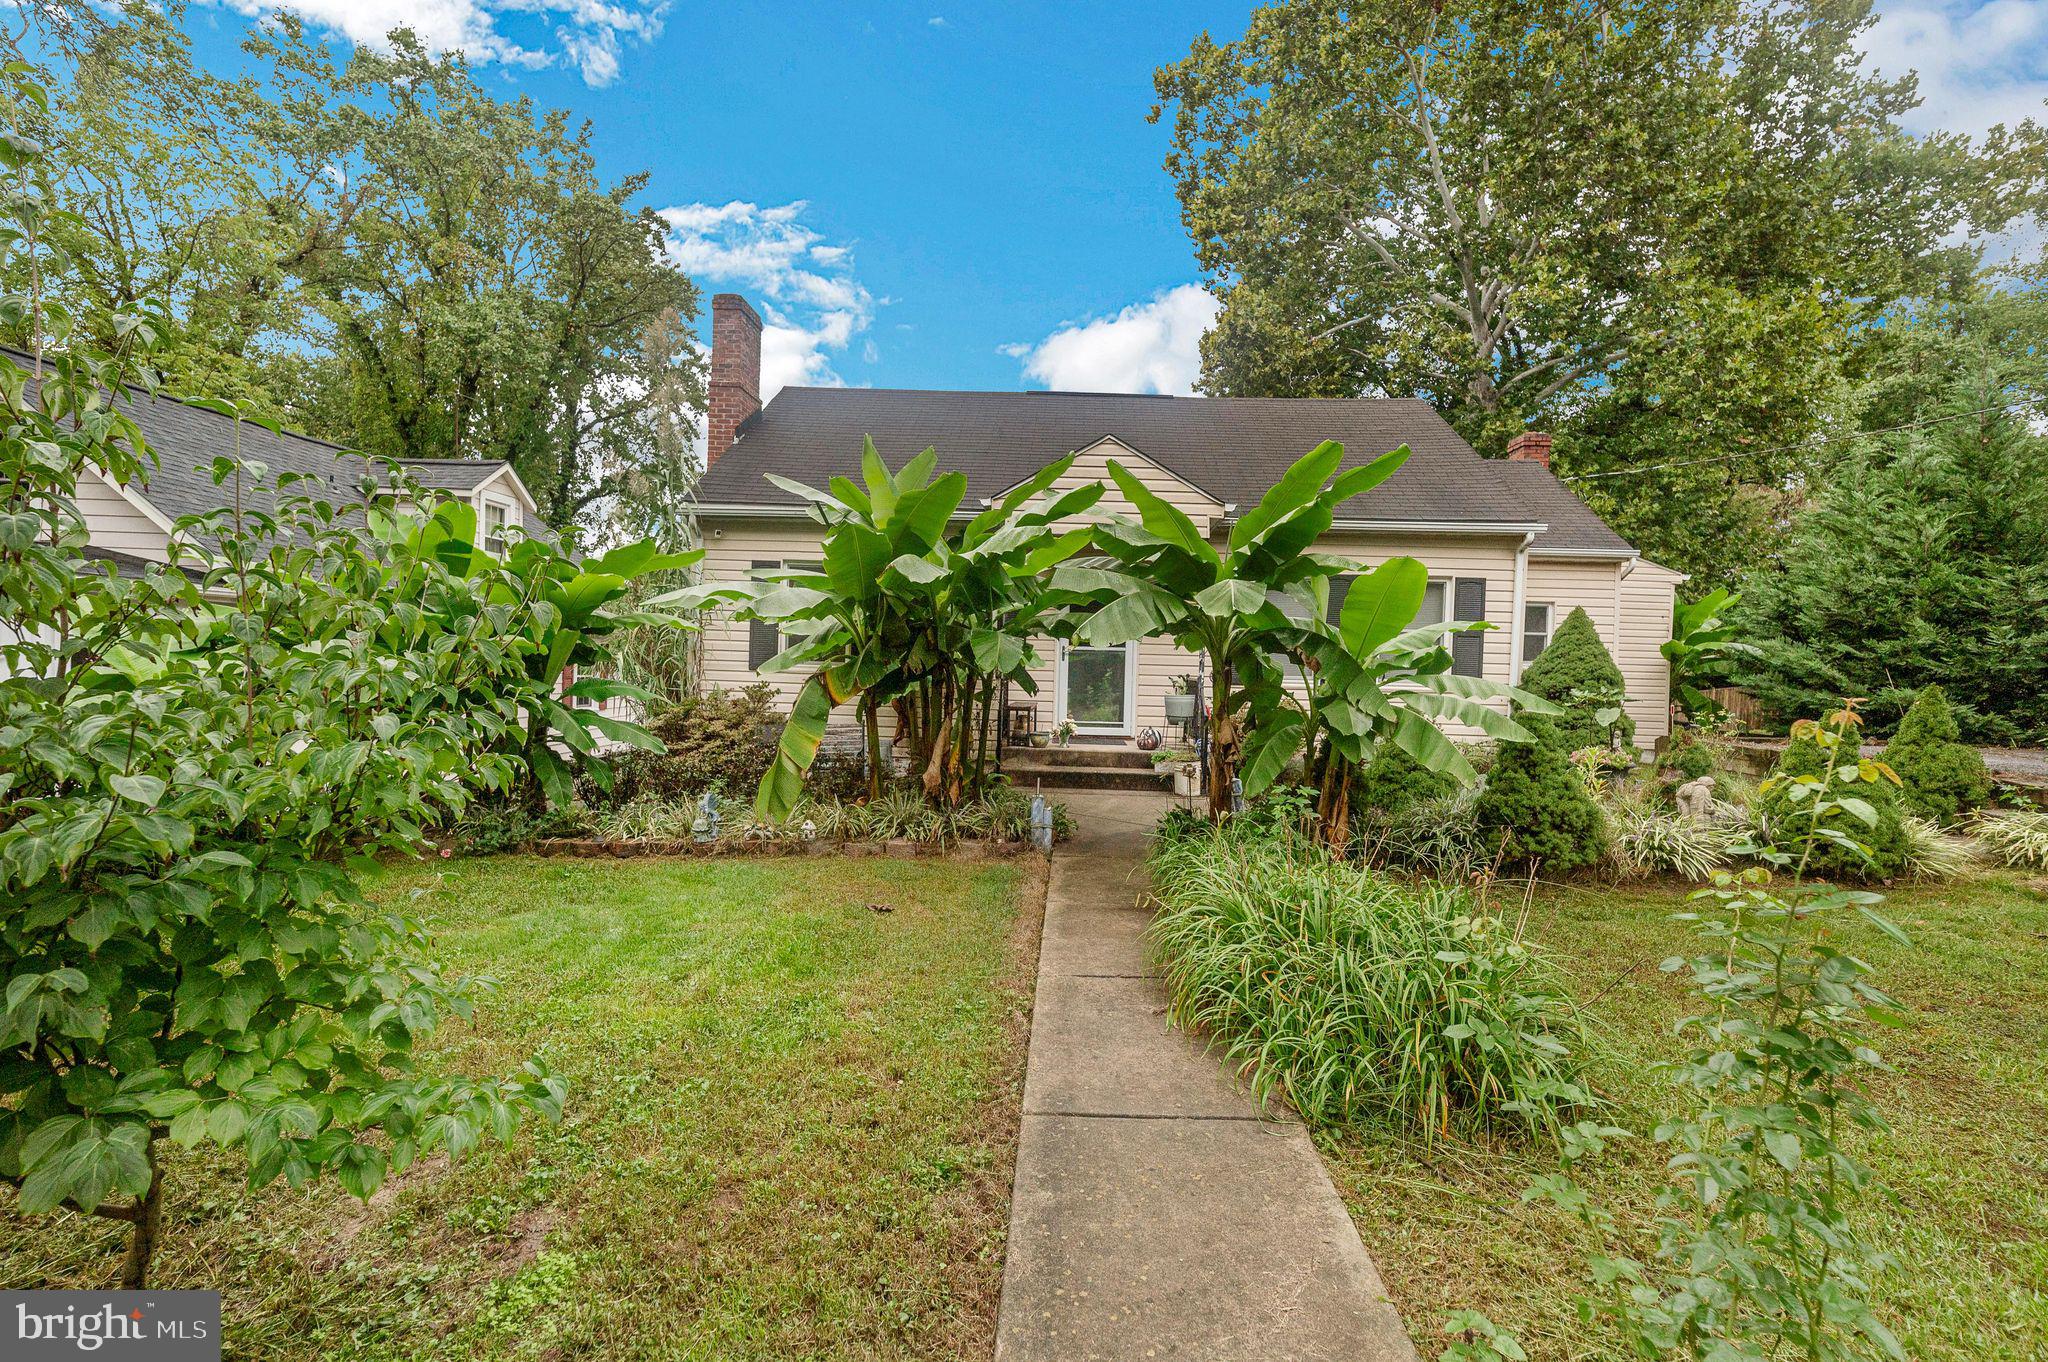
[(874, 726), (1220, 735), (142, 1239)]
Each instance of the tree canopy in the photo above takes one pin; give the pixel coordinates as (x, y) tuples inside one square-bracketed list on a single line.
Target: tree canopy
[(1654, 227), (381, 253)]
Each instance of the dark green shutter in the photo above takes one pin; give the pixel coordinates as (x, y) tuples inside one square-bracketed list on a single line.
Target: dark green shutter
[(763, 642), (1468, 649)]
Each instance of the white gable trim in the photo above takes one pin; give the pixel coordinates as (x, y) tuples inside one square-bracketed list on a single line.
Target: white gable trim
[(506, 474), (1114, 442)]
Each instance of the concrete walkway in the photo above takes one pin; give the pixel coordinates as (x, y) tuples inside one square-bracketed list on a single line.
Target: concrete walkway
[(1157, 1214)]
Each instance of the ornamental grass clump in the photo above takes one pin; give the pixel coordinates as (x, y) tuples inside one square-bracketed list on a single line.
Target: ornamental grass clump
[(1358, 997), (2014, 837)]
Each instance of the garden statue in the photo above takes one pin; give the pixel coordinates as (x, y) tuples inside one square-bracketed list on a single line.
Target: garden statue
[(705, 828), (1041, 823), (1696, 800)]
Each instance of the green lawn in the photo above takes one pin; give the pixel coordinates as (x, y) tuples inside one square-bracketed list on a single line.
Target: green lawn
[(790, 1130), (1967, 1156)]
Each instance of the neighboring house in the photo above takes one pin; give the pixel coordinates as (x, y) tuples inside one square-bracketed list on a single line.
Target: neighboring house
[(1504, 539), (132, 525)]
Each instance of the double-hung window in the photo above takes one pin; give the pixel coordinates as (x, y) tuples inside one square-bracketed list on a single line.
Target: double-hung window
[(1535, 630)]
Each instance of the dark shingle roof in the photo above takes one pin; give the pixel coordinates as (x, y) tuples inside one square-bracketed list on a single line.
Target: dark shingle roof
[(1230, 447), (187, 439), (453, 475)]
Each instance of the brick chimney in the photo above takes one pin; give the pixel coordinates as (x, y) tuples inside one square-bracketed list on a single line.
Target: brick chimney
[(1532, 446), (735, 372)]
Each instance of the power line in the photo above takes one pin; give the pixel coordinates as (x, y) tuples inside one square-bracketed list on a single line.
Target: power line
[(1813, 443)]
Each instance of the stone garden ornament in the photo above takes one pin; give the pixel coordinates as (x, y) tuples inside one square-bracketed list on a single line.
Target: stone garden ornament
[(1696, 800)]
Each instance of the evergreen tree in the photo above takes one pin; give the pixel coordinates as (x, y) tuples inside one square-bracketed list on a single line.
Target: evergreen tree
[(1919, 563), (1942, 778), (1396, 780), (1885, 842), (1535, 811), (1577, 674)]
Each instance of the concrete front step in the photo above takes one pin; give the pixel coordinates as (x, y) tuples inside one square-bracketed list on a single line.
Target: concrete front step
[(1106, 755), (1031, 775)]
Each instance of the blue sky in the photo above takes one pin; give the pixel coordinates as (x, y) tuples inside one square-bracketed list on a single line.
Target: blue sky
[(960, 195)]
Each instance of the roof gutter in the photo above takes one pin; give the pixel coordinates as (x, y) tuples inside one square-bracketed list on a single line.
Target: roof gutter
[(1588, 555)]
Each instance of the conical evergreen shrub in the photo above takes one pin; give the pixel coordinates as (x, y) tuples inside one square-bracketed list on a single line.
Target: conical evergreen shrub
[(1395, 781), (1943, 779), (1535, 811), (1886, 842), (1576, 673)]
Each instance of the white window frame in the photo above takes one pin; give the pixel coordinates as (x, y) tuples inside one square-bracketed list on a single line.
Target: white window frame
[(500, 543), (1546, 633), (1059, 694)]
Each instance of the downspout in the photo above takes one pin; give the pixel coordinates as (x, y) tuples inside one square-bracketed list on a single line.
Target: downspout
[(1520, 618)]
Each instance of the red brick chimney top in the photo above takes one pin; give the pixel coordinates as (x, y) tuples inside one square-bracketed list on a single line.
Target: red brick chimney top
[(1532, 446), (735, 390)]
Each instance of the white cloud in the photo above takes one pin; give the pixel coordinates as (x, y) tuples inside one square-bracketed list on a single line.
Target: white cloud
[(1152, 346), (812, 305), (1979, 63), (587, 34)]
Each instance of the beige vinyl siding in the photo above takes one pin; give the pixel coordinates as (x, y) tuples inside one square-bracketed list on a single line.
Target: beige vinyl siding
[(1647, 594), (1632, 615), (112, 522), (731, 548), (1568, 586), (1159, 659)]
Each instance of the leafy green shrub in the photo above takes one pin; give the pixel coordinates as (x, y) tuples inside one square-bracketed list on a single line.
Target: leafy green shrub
[(1650, 841), (1942, 779), (499, 826), (1848, 847), (1687, 755), (1358, 996), (722, 740), (1576, 673), (1394, 781), (2014, 837), (1758, 1249), (1535, 810)]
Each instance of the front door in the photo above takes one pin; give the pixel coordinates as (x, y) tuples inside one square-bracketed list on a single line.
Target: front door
[(1098, 688)]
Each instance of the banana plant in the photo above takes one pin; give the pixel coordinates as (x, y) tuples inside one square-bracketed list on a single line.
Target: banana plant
[(1701, 642), (857, 620), (565, 609), (1375, 677), (1169, 579), (901, 611)]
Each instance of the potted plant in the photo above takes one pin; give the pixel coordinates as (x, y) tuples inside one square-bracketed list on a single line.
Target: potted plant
[(1187, 779), (1041, 740), (1066, 731), (1181, 701)]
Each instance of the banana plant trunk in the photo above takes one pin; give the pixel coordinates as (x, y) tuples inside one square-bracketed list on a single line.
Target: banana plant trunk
[(1221, 736)]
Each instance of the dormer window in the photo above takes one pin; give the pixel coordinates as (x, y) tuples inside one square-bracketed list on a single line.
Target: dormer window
[(496, 517)]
